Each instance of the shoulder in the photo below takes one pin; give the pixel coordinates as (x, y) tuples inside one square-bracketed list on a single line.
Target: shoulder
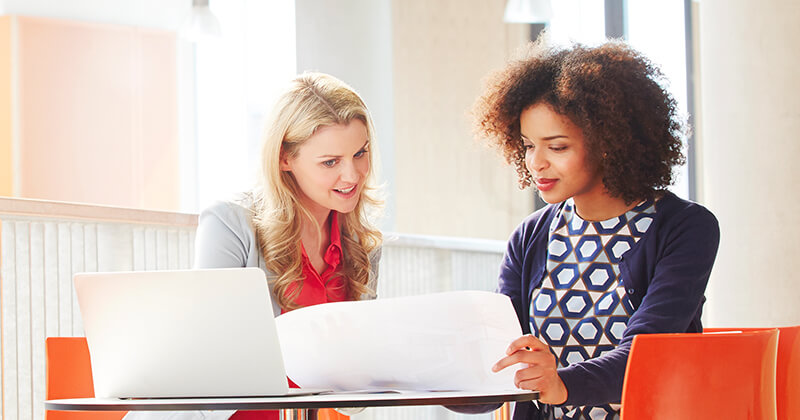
[(673, 212), (531, 231), (536, 223), (375, 255), (684, 223), (240, 208), (236, 215)]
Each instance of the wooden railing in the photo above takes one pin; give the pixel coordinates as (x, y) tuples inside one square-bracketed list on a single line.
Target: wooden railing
[(44, 243)]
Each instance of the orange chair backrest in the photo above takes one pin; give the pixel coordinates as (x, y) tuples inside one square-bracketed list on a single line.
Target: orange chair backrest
[(701, 376), (69, 375), (787, 378)]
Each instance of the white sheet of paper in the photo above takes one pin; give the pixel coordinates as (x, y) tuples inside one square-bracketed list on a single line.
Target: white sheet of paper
[(435, 342)]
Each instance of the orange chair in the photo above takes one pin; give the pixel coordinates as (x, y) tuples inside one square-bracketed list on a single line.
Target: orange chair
[(701, 376), (787, 377), (330, 414), (69, 375)]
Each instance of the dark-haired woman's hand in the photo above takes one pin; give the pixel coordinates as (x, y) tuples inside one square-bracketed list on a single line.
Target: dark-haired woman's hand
[(540, 375)]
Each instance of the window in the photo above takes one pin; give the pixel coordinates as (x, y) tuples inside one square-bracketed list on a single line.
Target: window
[(238, 77)]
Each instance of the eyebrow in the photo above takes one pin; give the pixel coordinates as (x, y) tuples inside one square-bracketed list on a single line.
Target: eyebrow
[(366, 143), (557, 136)]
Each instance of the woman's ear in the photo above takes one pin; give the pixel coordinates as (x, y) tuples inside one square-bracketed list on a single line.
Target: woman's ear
[(284, 164)]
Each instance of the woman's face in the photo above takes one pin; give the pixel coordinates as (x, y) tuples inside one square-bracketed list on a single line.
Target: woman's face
[(330, 168), (556, 156)]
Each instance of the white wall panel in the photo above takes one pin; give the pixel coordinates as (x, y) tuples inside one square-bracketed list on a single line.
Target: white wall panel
[(162, 250), (9, 330), (23, 306), (115, 247), (138, 248), (172, 249), (64, 280), (51, 283), (184, 258), (39, 257), (150, 249), (38, 315)]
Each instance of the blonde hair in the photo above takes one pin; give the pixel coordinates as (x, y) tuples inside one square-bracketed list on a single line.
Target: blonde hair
[(313, 100)]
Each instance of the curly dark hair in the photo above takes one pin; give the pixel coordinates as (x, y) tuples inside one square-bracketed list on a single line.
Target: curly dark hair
[(616, 96)]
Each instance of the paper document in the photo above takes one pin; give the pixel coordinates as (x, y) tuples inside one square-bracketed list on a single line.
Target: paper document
[(437, 342)]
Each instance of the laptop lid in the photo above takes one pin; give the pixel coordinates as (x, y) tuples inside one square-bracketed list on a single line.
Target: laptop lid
[(187, 333)]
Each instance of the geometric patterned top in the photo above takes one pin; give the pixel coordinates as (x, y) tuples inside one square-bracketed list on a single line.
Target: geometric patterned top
[(581, 309)]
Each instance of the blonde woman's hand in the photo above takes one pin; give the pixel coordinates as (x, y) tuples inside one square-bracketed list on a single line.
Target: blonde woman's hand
[(540, 375)]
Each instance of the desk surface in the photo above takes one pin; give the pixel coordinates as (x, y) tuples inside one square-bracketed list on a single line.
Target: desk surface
[(328, 400)]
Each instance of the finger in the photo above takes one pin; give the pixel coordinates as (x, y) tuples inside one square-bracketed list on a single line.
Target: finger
[(528, 342), (531, 372), (527, 375), (532, 384), (529, 357), (510, 360)]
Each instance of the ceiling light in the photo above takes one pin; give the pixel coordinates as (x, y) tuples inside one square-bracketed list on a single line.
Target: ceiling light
[(201, 23)]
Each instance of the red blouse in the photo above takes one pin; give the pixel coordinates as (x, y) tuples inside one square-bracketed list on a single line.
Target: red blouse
[(318, 288), (315, 288)]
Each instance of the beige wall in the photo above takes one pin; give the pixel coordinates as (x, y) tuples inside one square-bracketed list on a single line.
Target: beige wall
[(6, 161), (419, 65), (446, 182), (749, 56), (93, 113)]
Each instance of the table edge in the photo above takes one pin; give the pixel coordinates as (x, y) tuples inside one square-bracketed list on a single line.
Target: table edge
[(266, 403)]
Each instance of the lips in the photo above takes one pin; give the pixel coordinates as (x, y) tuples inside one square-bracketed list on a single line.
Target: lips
[(546, 184), (346, 192)]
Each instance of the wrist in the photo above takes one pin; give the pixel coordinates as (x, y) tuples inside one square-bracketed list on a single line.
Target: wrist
[(561, 394)]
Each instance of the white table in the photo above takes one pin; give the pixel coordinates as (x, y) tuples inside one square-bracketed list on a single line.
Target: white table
[(295, 407)]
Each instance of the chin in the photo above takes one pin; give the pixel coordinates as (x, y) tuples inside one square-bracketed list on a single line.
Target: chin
[(346, 209), (551, 198)]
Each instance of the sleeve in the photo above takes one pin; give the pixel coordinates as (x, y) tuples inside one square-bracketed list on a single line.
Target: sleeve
[(374, 262), (219, 241), (672, 300), (510, 276)]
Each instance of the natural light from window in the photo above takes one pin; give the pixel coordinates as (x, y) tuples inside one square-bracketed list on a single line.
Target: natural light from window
[(238, 78)]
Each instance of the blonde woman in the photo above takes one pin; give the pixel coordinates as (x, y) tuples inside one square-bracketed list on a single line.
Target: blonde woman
[(307, 224)]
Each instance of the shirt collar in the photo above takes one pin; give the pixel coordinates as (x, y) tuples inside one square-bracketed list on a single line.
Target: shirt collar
[(333, 254)]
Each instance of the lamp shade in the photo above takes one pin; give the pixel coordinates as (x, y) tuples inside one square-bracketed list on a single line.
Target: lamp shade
[(201, 23)]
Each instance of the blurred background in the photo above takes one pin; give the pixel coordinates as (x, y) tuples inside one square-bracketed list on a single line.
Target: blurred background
[(135, 104), (126, 103), (122, 103)]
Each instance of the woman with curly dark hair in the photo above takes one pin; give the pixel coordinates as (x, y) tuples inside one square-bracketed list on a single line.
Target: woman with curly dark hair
[(614, 254)]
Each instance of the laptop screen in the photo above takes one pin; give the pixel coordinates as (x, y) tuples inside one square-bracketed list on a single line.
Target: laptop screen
[(186, 333)]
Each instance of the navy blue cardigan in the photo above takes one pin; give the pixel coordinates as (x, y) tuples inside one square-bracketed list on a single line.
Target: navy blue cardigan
[(665, 274)]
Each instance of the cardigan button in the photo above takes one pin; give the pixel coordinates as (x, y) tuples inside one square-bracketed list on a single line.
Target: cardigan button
[(630, 291)]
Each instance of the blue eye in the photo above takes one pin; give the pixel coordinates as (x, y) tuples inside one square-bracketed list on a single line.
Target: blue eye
[(329, 163), (360, 153)]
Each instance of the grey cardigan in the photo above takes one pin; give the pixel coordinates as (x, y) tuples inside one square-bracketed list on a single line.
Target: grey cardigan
[(226, 238)]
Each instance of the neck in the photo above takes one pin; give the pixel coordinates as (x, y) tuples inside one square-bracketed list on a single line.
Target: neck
[(315, 234), (321, 217), (602, 207)]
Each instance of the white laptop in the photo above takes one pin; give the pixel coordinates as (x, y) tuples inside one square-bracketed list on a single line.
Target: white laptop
[(187, 333)]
